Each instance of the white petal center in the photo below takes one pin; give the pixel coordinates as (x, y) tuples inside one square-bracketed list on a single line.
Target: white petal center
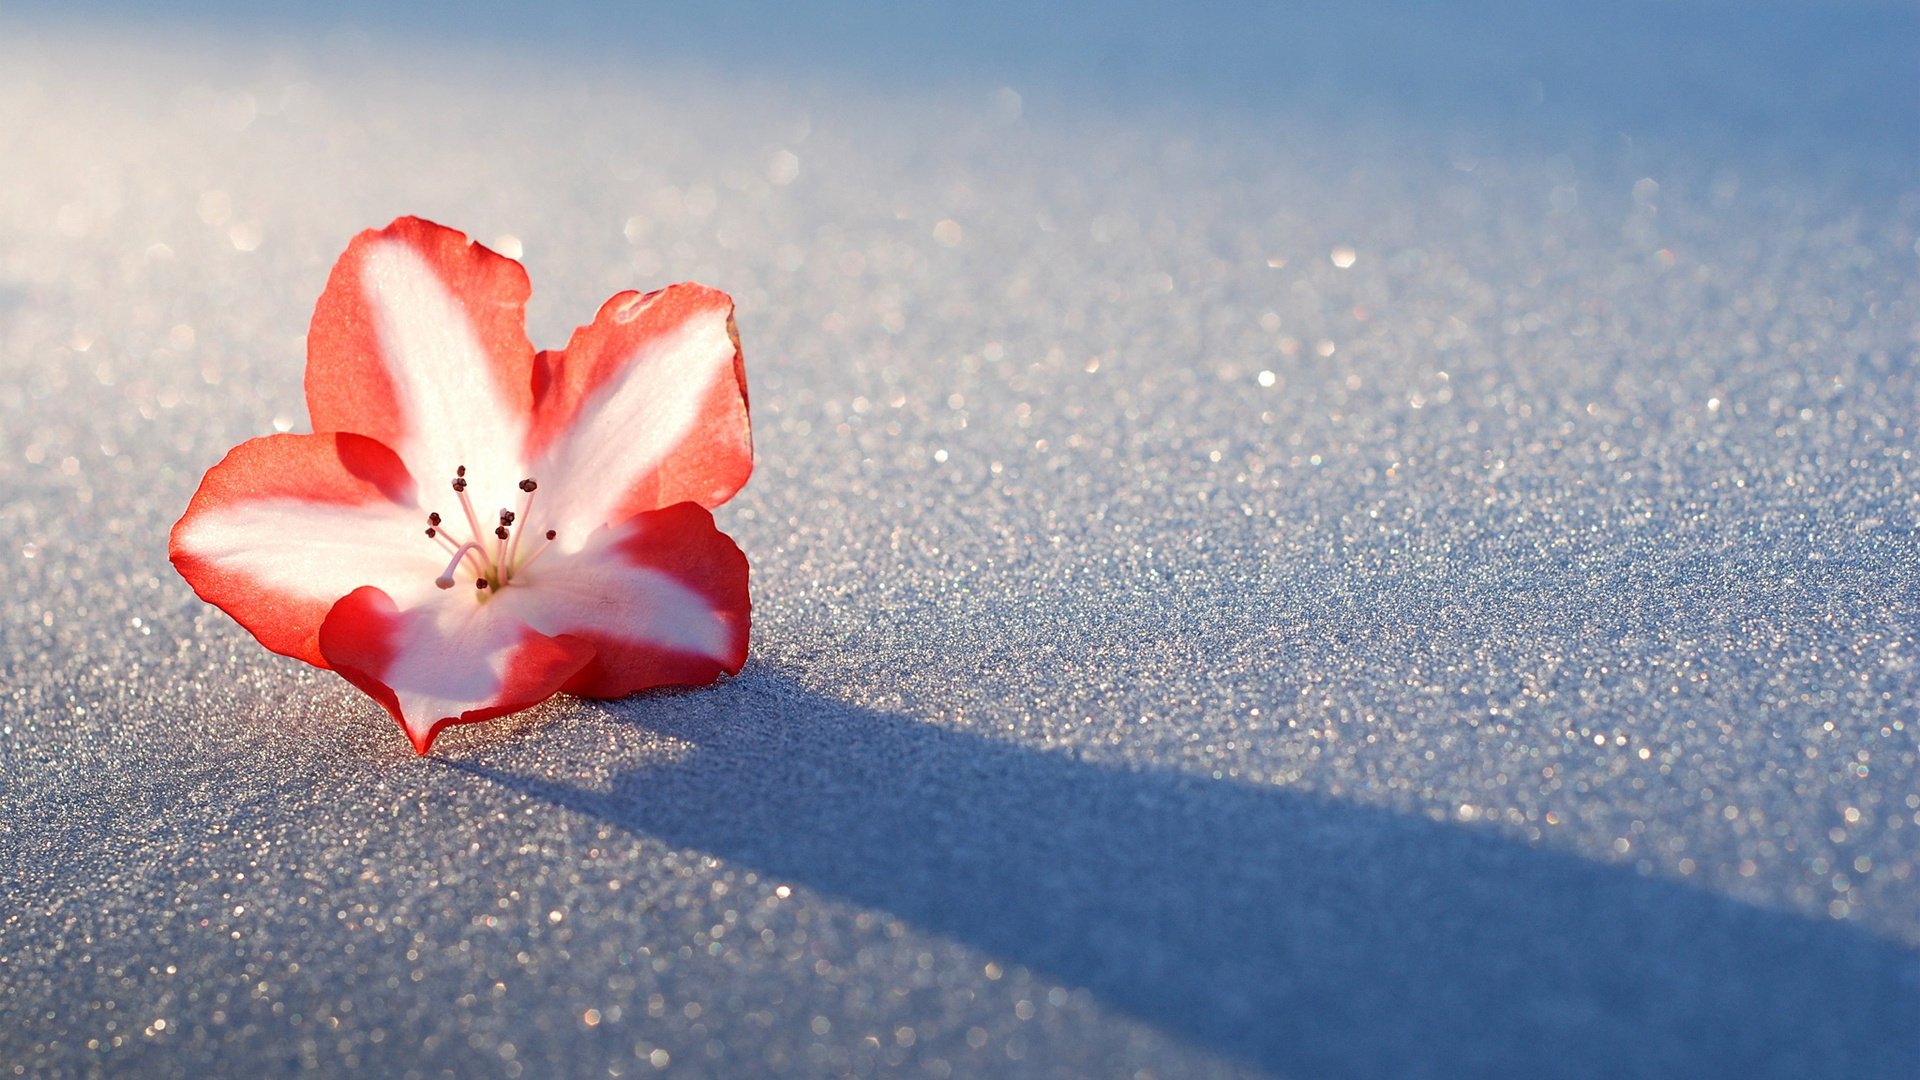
[(321, 551), (629, 426), (443, 378)]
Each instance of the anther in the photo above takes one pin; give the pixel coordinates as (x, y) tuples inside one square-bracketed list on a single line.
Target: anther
[(460, 470), (480, 583), (501, 532), (528, 484), (506, 517), (460, 484), (551, 534), (431, 533), (433, 519)]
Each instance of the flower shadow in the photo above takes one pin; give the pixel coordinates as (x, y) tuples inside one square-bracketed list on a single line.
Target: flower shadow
[(1300, 934)]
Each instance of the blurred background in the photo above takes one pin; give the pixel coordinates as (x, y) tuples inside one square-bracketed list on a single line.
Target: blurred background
[(1811, 72)]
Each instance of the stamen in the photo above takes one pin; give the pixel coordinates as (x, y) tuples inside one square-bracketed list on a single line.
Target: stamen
[(466, 504), (526, 506), (501, 533), (541, 550), (447, 545), (445, 580), (492, 569)]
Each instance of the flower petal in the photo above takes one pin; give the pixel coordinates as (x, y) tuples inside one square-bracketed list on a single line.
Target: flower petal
[(646, 407), (662, 597), (420, 341), (288, 524), (451, 659)]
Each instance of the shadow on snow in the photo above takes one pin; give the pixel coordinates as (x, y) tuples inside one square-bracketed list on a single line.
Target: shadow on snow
[(1305, 935)]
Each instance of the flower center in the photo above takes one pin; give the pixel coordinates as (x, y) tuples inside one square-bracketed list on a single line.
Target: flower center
[(493, 564)]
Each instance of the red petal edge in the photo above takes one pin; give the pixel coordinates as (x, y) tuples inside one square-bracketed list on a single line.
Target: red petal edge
[(347, 384), (333, 468), (682, 542), (715, 460), (359, 638)]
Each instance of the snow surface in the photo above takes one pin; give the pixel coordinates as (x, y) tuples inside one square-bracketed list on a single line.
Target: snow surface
[(1366, 542)]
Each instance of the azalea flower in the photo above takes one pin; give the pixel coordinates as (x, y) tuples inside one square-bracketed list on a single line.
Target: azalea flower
[(474, 526)]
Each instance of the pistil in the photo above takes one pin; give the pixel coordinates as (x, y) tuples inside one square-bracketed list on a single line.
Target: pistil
[(445, 580)]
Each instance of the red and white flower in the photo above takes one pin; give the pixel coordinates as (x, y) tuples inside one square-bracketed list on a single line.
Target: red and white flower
[(475, 526)]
